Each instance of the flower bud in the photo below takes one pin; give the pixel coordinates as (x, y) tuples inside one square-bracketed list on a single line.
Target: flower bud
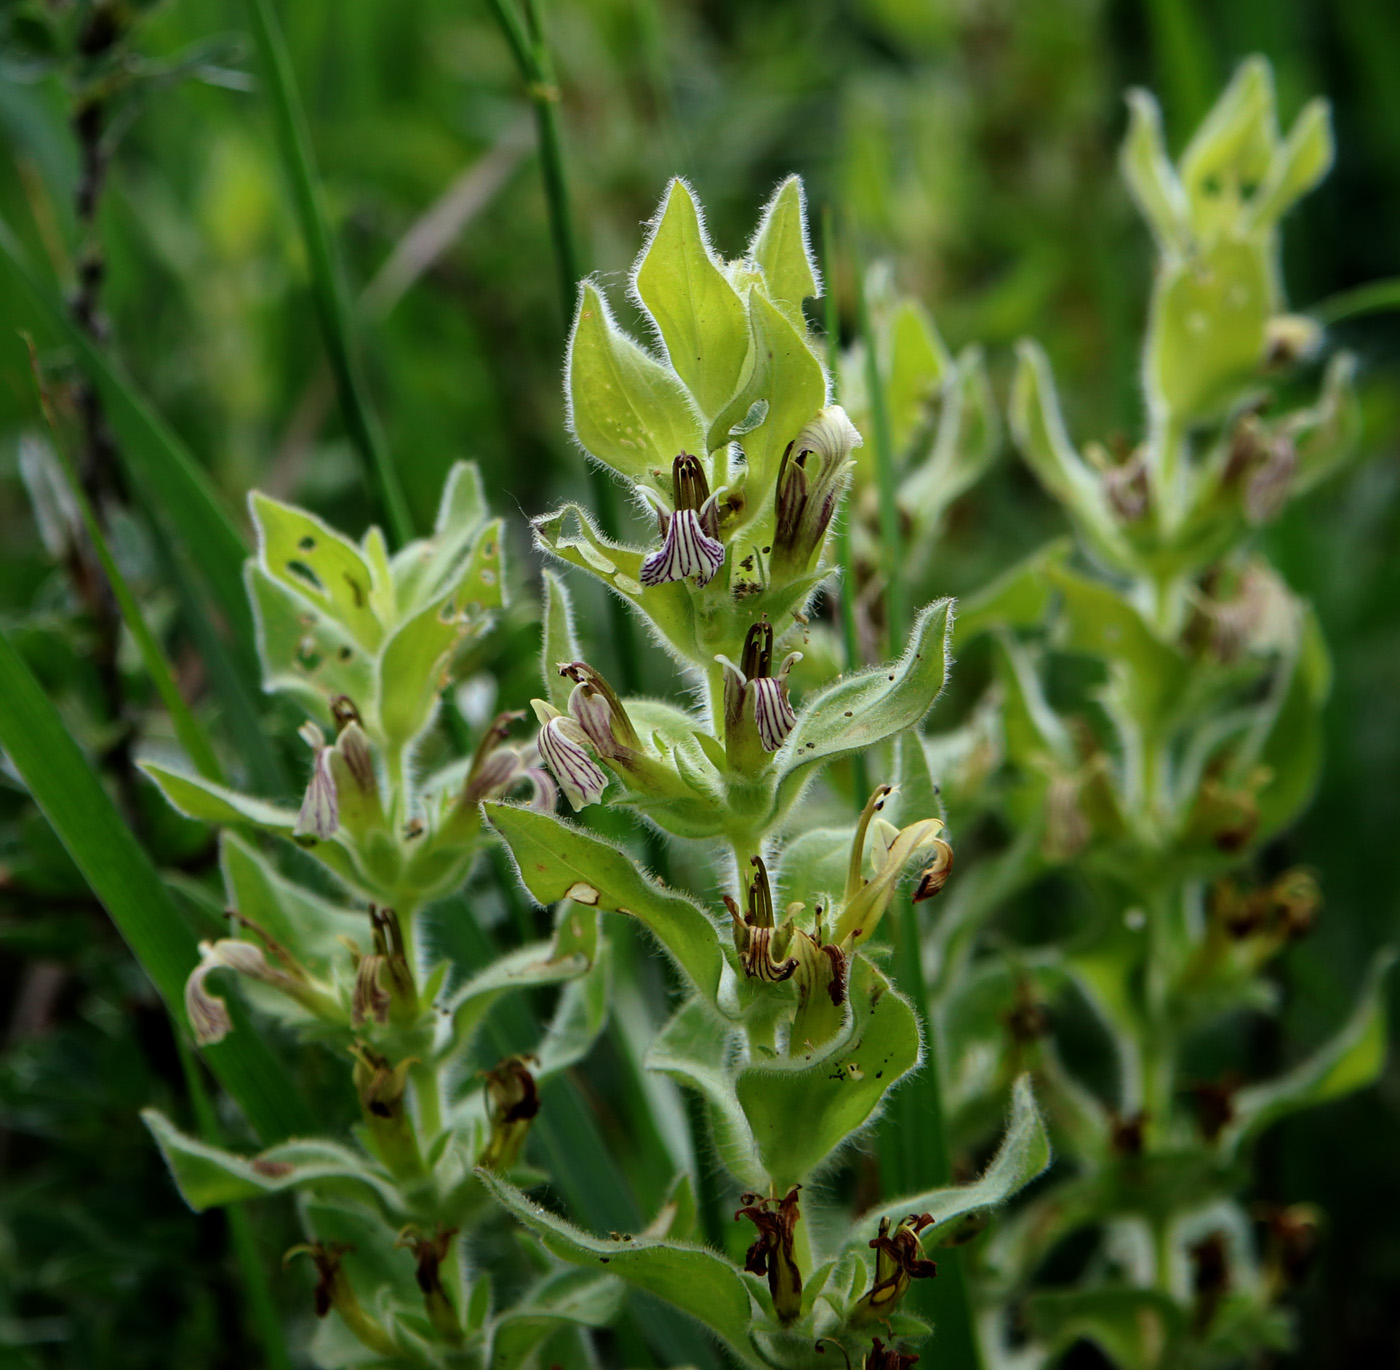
[(381, 1087), (430, 1252), (319, 817), (384, 986), (515, 1101), (823, 972), (884, 1357), (208, 1013), (810, 480), (333, 1290), (772, 1253), (599, 712)]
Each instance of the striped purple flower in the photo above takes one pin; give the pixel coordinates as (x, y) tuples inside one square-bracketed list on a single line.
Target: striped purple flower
[(754, 696), (320, 809), (686, 553), (771, 710), (690, 547), (562, 744)]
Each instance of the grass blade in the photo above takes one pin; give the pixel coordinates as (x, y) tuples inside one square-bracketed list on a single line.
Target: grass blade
[(1376, 298), (123, 878), (896, 592), (531, 52), (161, 470), (187, 728), (326, 283)]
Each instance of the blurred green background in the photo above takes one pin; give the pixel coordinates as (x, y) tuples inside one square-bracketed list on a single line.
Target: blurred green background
[(972, 142)]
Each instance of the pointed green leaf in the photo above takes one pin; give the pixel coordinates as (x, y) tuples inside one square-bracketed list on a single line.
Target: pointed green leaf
[(691, 1279), (210, 1177), (577, 1297), (781, 247), (915, 368), (428, 567), (668, 608), (1148, 674), (701, 319), (790, 380), (309, 926), (1207, 338), (1024, 1153), (625, 408), (412, 671), (307, 555), (857, 712), (211, 803), (1137, 1329), (1038, 429), (1303, 160), (579, 1018), (1235, 141), (571, 953), (559, 861), (1018, 598), (306, 653), (1150, 175), (1351, 1060)]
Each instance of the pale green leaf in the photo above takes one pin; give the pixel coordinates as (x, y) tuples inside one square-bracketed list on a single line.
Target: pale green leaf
[(1150, 175), (691, 1279), (916, 364), (309, 926), (324, 568), (782, 251), (570, 955), (626, 408), (790, 379), (1038, 429), (579, 1018), (700, 317), (428, 567), (210, 803), (559, 861), (412, 672), (306, 653), (1235, 141), (1018, 598), (1136, 1329), (209, 1177), (1149, 674), (857, 712), (1206, 336), (1024, 1153), (1303, 160), (668, 608), (577, 1297)]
